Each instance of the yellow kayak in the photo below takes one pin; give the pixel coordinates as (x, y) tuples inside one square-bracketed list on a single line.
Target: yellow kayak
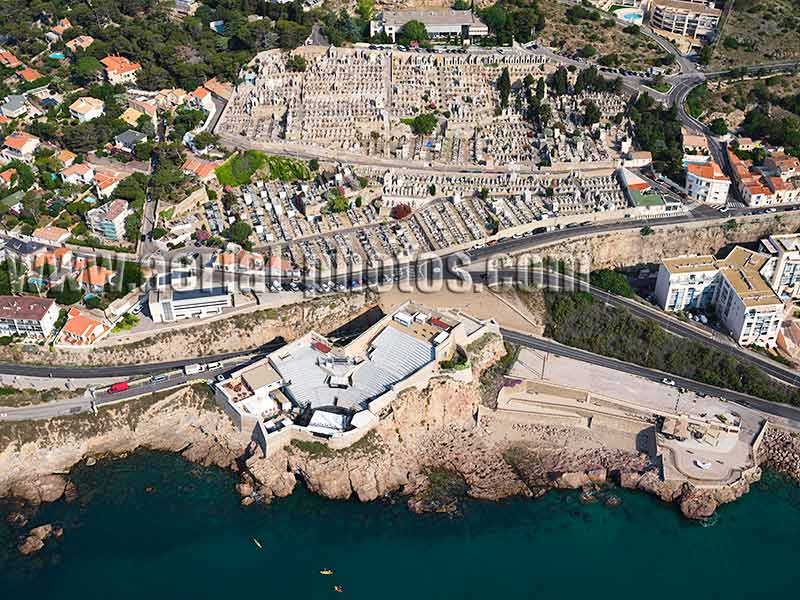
[(326, 572)]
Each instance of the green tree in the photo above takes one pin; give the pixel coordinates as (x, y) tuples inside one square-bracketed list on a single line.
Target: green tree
[(719, 126), (611, 281), (296, 63), (591, 114), (239, 232), (504, 87), (412, 31), (422, 124)]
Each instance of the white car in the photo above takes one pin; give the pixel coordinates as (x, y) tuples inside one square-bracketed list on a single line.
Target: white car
[(772, 210), (724, 209), (702, 464), (667, 381)]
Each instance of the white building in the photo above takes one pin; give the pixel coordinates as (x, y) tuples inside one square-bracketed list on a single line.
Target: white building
[(119, 70), (335, 391), (707, 183), (438, 23), (693, 20), (735, 287), (186, 7), (783, 269), (169, 304), (27, 316), (109, 219), (86, 108), (20, 145)]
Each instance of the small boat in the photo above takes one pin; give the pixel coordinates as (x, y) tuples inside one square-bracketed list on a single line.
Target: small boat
[(257, 543), (326, 572), (338, 588)]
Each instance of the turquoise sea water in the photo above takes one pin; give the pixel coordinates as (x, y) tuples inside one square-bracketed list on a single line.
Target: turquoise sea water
[(190, 539)]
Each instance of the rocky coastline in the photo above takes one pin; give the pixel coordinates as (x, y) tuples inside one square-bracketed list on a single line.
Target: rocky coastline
[(430, 448)]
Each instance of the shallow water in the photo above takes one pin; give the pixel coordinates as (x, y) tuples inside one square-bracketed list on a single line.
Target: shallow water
[(191, 539)]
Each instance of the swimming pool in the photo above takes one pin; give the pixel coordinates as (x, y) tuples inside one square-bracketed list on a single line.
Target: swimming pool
[(633, 16), (57, 55)]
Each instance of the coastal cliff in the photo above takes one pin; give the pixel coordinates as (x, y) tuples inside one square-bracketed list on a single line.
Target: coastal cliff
[(430, 447)]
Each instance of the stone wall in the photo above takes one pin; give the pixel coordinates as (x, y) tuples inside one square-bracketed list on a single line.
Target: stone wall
[(629, 247)]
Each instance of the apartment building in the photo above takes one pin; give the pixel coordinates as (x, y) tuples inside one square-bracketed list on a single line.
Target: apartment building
[(775, 182), (707, 183), (736, 288), (692, 20), (27, 316), (169, 304), (109, 219), (783, 269)]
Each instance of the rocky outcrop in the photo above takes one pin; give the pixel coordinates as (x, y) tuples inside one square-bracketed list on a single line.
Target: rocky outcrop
[(626, 248), (186, 422), (40, 489), (36, 538), (783, 452), (694, 502)]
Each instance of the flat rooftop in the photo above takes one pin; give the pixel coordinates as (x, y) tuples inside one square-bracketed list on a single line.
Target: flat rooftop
[(691, 264), (692, 7), (318, 377), (642, 199), (742, 269), (430, 17)]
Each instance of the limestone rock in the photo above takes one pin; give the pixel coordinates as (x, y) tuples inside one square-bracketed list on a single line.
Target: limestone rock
[(572, 480), (30, 545), (45, 488), (42, 532), (698, 504), (16, 520), (597, 475), (629, 479), (667, 491), (244, 488)]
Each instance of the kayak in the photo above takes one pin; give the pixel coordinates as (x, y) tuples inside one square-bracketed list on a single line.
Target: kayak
[(326, 572), (257, 543)]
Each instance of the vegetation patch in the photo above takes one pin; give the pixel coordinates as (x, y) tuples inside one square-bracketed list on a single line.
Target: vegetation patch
[(287, 169), (238, 169), (579, 320), (492, 379), (10, 396), (612, 281)]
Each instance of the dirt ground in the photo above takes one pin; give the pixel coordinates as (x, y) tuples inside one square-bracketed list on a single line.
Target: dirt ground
[(759, 31), (505, 306), (634, 51), (732, 100)]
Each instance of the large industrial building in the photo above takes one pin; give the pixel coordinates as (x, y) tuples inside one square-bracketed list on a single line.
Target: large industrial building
[(441, 23)]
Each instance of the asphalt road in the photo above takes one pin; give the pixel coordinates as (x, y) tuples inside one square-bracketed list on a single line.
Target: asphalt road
[(769, 408), (123, 371), (695, 332)]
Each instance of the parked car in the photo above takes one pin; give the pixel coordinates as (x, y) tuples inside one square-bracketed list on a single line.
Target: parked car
[(667, 381)]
